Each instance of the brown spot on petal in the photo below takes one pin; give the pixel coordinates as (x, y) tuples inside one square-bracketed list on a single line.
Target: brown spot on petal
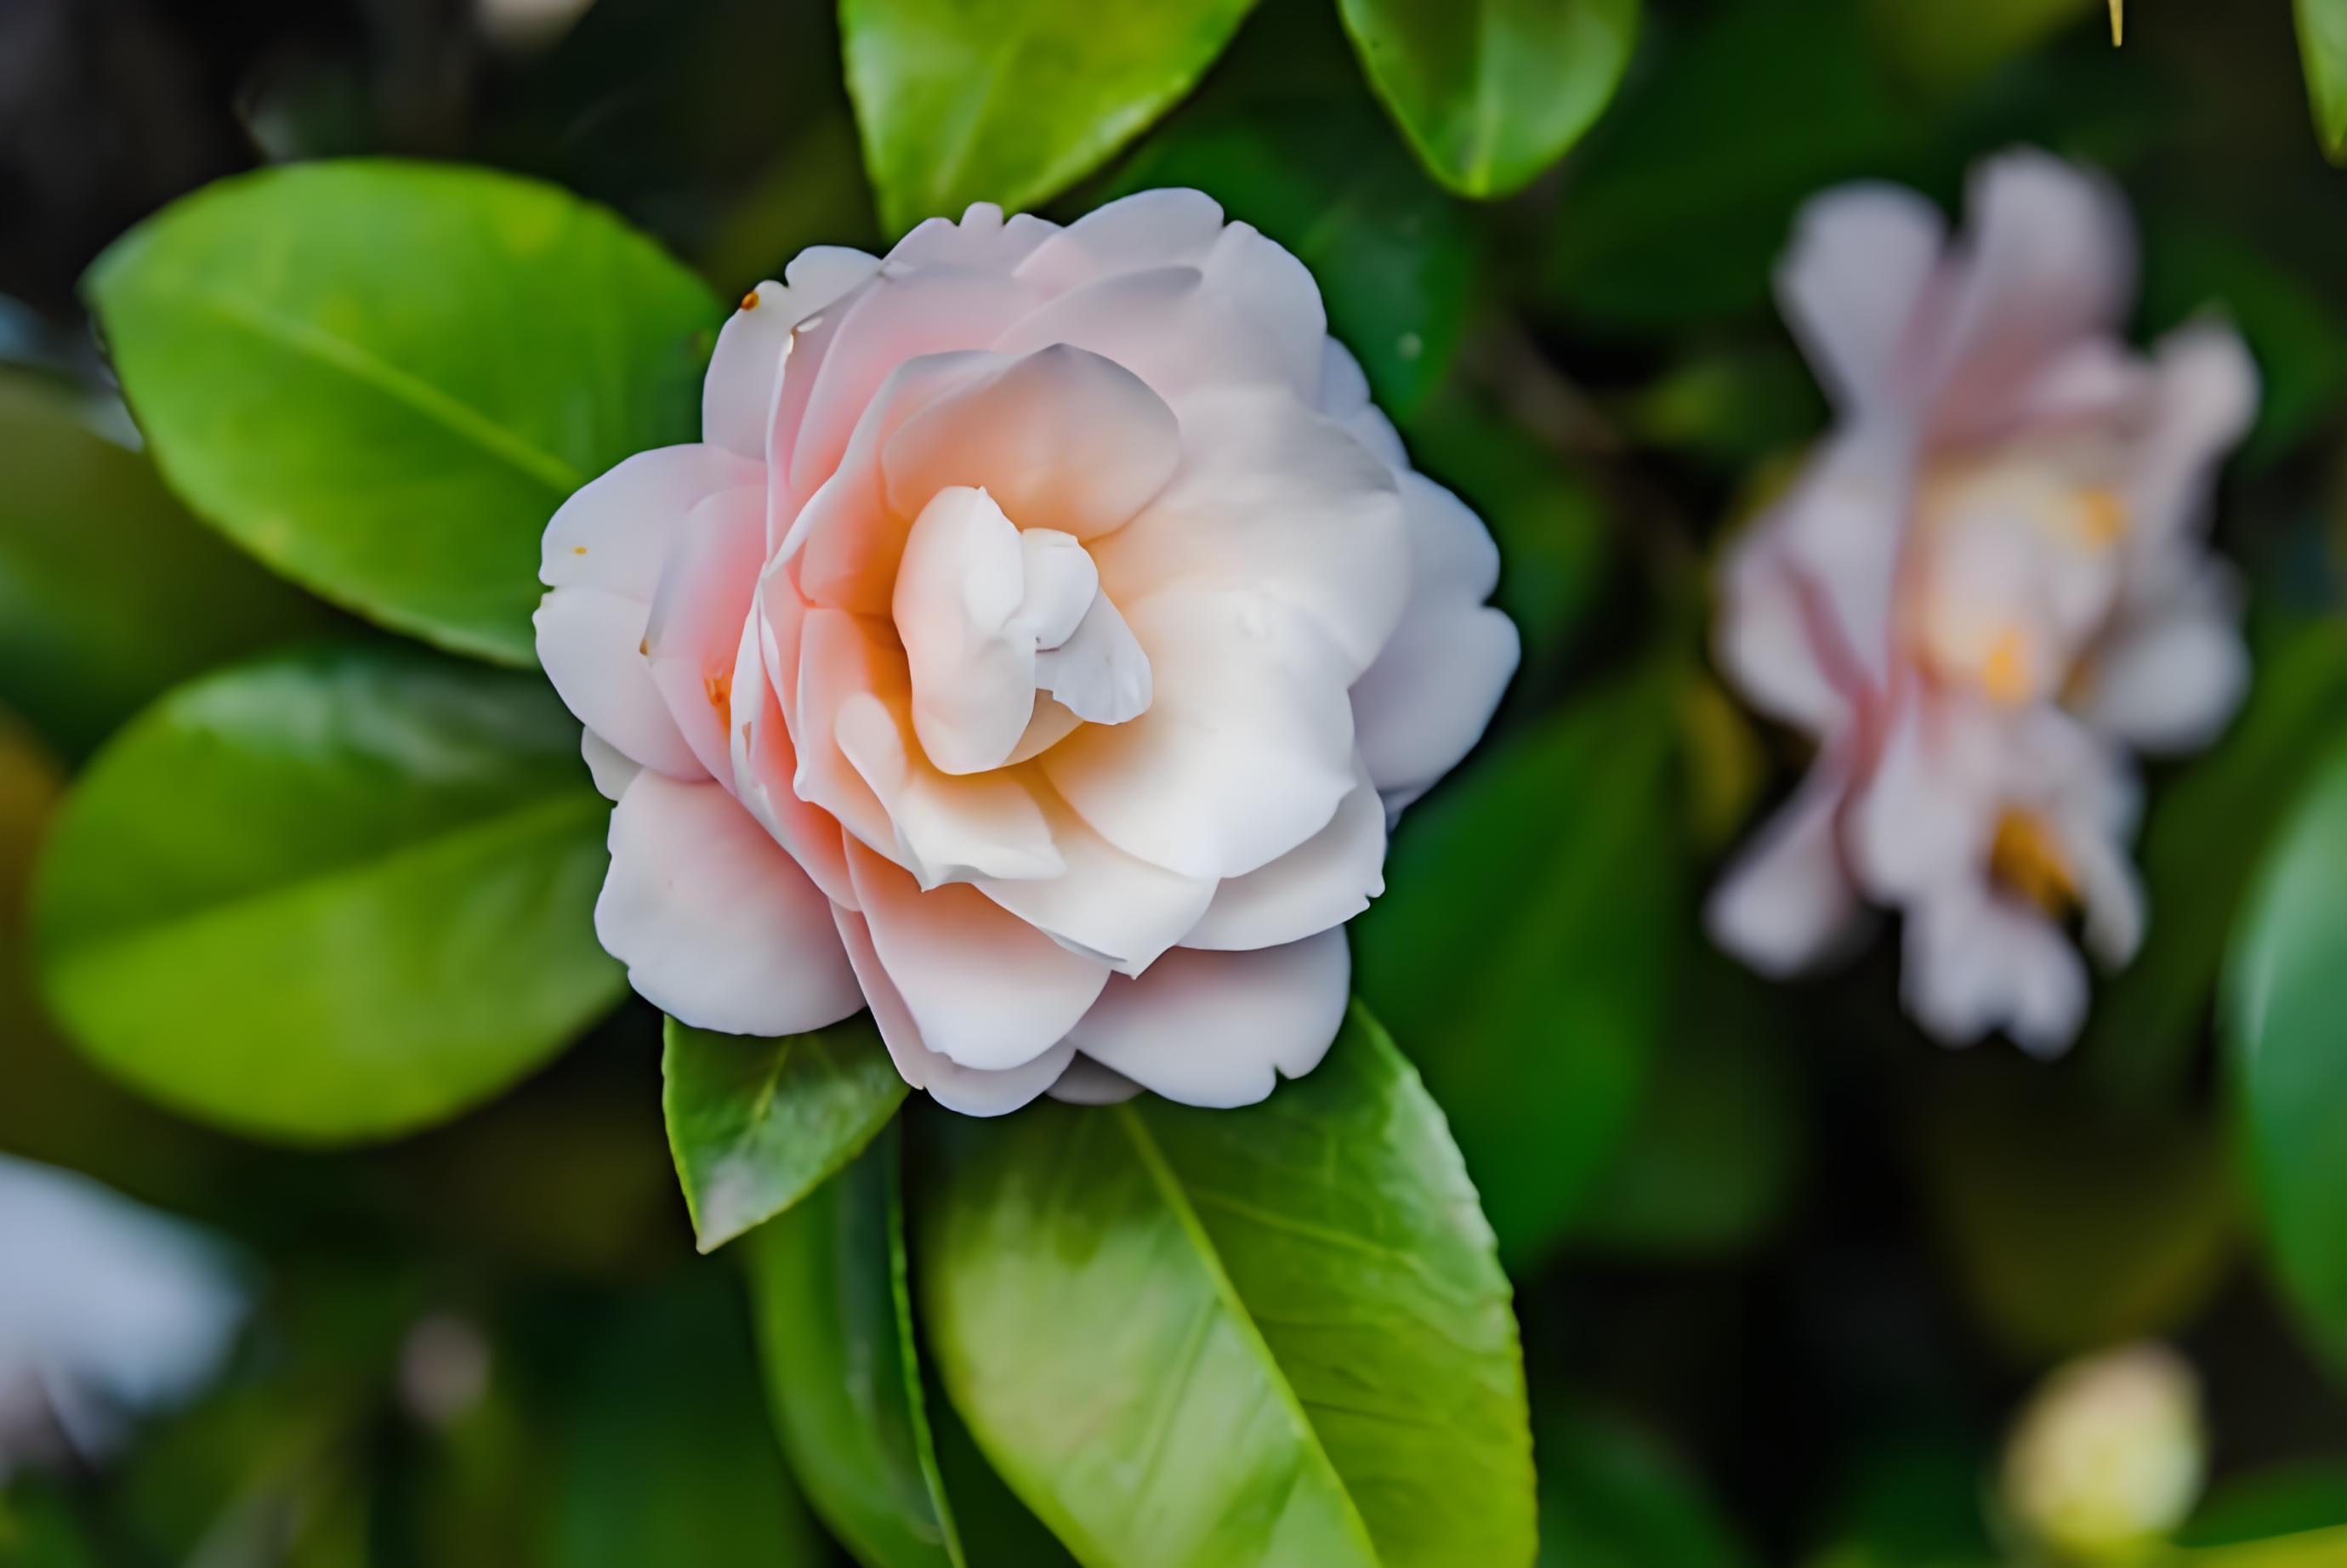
[(750, 300), (2004, 673), (720, 690), (2102, 516), (2025, 859)]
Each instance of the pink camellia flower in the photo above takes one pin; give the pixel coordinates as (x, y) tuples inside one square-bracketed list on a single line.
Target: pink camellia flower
[(1034, 649), (1983, 593)]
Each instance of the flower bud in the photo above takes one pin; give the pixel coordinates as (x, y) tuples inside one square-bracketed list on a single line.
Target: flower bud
[(2107, 1457)]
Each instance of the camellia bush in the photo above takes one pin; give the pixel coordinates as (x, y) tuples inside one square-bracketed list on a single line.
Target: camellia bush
[(1324, 783)]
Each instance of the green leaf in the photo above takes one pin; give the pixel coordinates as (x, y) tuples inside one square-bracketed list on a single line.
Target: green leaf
[(1524, 947), (1945, 46), (661, 1454), (1612, 1497), (382, 378), (2202, 842), (835, 1323), (1012, 101), (757, 1124), (1276, 1335), (110, 591), (336, 895), (1493, 92), (2322, 49), (2285, 994)]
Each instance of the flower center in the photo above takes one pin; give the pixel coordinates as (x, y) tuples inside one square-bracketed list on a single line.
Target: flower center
[(1009, 638), (2025, 858), (2014, 567)]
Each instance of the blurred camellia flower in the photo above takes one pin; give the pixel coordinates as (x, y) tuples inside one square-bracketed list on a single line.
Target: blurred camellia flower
[(2107, 1458), (1985, 590), (1035, 648), (107, 1310)]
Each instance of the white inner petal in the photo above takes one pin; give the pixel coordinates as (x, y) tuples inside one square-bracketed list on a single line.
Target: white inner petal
[(991, 616)]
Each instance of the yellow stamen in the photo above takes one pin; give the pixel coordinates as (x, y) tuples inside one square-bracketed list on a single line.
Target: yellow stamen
[(2102, 516), (2004, 673), (750, 300), (2025, 858), (2118, 22)]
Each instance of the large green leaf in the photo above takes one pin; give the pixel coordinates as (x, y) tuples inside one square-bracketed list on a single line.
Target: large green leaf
[(335, 895), (2202, 840), (1524, 947), (835, 1327), (1490, 92), (1012, 101), (2285, 997), (2322, 49), (1276, 1335), (382, 378), (757, 1124), (110, 591)]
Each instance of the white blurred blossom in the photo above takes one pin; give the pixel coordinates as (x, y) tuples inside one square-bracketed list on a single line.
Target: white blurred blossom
[(108, 1310), (2107, 1457), (1985, 593)]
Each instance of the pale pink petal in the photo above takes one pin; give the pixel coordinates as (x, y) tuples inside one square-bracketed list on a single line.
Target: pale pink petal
[(718, 926), (967, 1089), (1786, 905), (1148, 229), (1928, 814), (611, 769), (2048, 258), (602, 556), (1769, 639), (737, 399), (615, 532), (2206, 392), (983, 987), (1860, 259), (1106, 904), (959, 591), (2169, 684), (1087, 1083), (1273, 498), (1170, 327), (591, 643), (765, 763), (1320, 883), (1976, 962), (900, 316), (947, 828), (1100, 674), (1060, 438), (694, 634), (1246, 748), (1220, 1028), (982, 242), (1840, 531), (845, 541), (838, 659)]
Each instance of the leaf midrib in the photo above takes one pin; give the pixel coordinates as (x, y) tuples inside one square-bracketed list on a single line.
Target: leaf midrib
[(1170, 1190), (514, 824), (361, 365)]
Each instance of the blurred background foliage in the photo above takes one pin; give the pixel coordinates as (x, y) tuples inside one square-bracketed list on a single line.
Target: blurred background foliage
[(1785, 1271)]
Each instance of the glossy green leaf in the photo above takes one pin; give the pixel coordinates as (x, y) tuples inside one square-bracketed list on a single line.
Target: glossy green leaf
[(2202, 842), (661, 1454), (382, 378), (110, 591), (2285, 997), (1524, 947), (1492, 92), (1613, 1497), (1323, 177), (1012, 101), (336, 895), (757, 1124), (2322, 50), (1199, 1337), (835, 1328)]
